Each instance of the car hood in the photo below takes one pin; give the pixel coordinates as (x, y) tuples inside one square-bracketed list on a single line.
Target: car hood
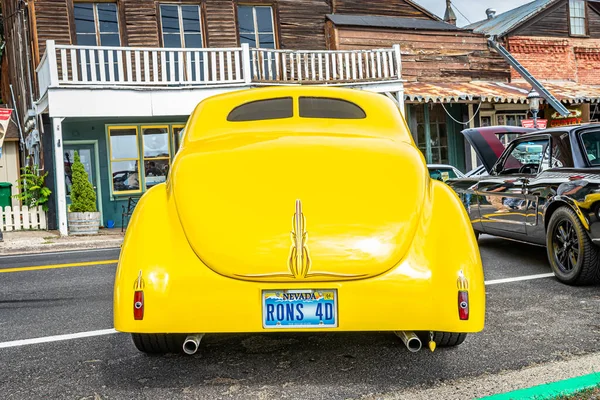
[(284, 207), (486, 143)]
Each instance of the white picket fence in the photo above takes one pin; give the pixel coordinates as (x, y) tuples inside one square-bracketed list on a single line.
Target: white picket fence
[(17, 218)]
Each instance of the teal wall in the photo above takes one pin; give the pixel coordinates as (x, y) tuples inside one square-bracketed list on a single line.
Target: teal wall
[(95, 129)]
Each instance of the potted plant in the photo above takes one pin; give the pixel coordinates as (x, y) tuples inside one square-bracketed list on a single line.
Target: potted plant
[(83, 217)]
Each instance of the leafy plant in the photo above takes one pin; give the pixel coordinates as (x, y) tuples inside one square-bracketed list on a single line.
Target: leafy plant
[(32, 191), (83, 197)]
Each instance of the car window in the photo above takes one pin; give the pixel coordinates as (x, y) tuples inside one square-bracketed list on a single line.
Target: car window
[(591, 146), (442, 174), (558, 155), (325, 107), (525, 157), (262, 110)]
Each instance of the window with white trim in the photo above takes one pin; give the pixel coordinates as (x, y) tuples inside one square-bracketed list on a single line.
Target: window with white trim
[(577, 14), (96, 24), (256, 27)]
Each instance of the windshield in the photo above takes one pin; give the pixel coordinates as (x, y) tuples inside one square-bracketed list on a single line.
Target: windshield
[(442, 174), (591, 145)]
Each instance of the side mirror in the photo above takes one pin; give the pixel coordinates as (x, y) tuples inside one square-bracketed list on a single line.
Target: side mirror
[(497, 169)]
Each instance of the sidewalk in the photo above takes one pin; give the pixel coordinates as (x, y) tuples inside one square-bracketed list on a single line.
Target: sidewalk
[(47, 241)]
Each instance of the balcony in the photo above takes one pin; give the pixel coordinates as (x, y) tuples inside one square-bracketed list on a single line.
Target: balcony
[(67, 69)]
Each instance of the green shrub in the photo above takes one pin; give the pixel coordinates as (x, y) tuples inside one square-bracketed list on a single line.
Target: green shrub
[(32, 191), (83, 197)]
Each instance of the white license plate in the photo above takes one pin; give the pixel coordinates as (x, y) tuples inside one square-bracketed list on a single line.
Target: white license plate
[(299, 308)]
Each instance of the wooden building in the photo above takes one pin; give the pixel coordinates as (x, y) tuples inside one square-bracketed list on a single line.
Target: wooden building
[(558, 41)]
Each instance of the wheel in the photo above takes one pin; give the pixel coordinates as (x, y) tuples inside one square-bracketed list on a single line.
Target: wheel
[(572, 255), (442, 339), (158, 343), (477, 233)]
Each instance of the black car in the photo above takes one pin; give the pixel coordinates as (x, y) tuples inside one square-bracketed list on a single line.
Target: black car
[(543, 189)]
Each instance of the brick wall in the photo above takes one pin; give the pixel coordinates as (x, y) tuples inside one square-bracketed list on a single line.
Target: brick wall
[(560, 59)]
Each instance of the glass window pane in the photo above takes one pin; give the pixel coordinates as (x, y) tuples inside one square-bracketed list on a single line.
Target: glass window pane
[(191, 19), (245, 19), (171, 40), (169, 17), (156, 142), (86, 39), (84, 18), (526, 152), (193, 41), (125, 176), (322, 107), (109, 39), (264, 19), (156, 172), (107, 17), (266, 41), (591, 143), (248, 38), (123, 143), (263, 109)]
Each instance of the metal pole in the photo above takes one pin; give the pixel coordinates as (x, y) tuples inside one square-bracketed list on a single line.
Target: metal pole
[(535, 113)]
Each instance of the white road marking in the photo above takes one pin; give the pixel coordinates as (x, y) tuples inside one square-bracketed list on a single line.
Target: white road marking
[(57, 338), (518, 278), (47, 339)]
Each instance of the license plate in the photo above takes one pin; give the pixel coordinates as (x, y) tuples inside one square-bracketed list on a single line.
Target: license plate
[(299, 308)]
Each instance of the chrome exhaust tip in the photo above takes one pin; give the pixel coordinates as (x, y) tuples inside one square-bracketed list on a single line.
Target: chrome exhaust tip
[(410, 339), (191, 343)]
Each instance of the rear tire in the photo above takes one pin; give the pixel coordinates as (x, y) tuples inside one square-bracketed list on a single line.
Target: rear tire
[(158, 343), (573, 257), (443, 339), (477, 233)]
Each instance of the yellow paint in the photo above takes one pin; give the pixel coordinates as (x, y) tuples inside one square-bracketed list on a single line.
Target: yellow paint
[(390, 240), (57, 266)]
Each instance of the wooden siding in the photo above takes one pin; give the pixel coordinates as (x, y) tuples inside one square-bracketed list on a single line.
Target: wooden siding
[(52, 19), (220, 23), (594, 21), (302, 24), (392, 8), (433, 55), (141, 23)]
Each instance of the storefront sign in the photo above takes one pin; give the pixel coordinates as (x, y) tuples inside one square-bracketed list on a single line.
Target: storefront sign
[(528, 123), (574, 118), (5, 114)]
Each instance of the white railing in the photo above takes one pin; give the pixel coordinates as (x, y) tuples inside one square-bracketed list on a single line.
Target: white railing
[(17, 218), (325, 66), (67, 65)]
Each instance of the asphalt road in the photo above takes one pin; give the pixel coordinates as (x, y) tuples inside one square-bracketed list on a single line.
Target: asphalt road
[(528, 322)]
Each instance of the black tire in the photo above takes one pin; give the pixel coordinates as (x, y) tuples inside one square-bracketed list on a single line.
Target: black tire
[(572, 255), (158, 343), (477, 233), (442, 339)]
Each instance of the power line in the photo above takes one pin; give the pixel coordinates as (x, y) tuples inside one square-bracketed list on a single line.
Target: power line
[(463, 15)]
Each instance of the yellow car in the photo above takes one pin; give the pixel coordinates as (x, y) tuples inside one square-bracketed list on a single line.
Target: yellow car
[(298, 209)]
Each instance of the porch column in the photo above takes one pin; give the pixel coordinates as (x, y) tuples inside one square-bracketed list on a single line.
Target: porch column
[(59, 168), (400, 100), (472, 125)]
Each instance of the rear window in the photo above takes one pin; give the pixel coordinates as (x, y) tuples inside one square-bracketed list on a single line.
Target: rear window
[(262, 110), (324, 107)]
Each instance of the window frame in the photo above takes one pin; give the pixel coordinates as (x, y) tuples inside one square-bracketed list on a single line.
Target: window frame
[(586, 25), (176, 140), (110, 128), (274, 22), (122, 41), (143, 158), (201, 13), (513, 144)]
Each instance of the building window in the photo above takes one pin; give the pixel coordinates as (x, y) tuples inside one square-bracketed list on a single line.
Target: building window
[(124, 159), (255, 24), (431, 135), (148, 146), (96, 24), (181, 28), (157, 155), (577, 11)]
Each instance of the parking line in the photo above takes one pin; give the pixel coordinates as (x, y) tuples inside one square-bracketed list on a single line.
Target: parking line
[(56, 266), (57, 338), (518, 278)]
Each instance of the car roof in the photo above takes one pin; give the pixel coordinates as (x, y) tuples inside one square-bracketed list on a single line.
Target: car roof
[(383, 119), (440, 166)]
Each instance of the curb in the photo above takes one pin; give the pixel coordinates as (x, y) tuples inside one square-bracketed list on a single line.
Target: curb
[(552, 390), (60, 248)]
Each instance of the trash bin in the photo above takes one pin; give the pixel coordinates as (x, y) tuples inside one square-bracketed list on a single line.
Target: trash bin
[(5, 193)]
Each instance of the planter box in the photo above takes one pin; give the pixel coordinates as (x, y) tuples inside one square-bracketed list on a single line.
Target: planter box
[(83, 223)]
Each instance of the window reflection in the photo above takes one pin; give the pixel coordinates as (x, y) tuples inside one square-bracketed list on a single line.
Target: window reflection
[(124, 154)]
